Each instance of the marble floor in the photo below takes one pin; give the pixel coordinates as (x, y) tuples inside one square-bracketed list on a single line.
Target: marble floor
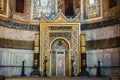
[(58, 78)]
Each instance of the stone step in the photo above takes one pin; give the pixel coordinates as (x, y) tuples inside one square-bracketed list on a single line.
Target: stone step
[(58, 78)]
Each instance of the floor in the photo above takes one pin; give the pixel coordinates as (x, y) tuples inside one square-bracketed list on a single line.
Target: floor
[(58, 78)]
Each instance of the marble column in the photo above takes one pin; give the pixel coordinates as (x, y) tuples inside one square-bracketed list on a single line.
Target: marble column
[(83, 56), (36, 71)]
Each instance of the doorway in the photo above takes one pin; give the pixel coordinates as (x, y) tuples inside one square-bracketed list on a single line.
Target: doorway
[(58, 63)]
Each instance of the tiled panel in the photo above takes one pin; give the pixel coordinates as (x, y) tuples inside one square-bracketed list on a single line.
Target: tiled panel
[(20, 26), (102, 24)]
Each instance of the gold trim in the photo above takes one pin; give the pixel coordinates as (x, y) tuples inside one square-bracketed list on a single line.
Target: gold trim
[(46, 40), (3, 11), (60, 18)]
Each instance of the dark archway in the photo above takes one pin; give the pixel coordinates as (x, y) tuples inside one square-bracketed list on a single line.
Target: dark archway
[(69, 10)]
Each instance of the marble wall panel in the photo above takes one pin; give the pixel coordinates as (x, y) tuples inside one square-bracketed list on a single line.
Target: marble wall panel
[(14, 71), (16, 34), (110, 50), (107, 57), (103, 33), (16, 56), (12, 60), (103, 43)]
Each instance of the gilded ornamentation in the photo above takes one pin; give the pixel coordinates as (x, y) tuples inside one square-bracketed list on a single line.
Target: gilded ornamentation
[(59, 38), (113, 12), (77, 6), (3, 8), (75, 48), (1, 4), (60, 5)]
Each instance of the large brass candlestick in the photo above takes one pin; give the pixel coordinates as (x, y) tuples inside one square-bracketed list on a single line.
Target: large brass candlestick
[(23, 69), (72, 67), (45, 68)]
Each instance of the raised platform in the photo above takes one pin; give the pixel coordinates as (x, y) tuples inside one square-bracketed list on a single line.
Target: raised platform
[(58, 78)]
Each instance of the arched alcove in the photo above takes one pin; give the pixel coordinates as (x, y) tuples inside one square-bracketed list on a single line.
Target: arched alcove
[(60, 58)]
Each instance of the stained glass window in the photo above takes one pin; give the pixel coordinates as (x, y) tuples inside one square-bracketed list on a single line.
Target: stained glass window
[(43, 7), (92, 9)]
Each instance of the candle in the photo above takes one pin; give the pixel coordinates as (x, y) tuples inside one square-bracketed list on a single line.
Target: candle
[(36, 49), (72, 57), (45, 56)]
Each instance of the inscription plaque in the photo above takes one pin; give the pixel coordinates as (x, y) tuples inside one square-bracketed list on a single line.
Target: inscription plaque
[(57, 34), (60, 27)]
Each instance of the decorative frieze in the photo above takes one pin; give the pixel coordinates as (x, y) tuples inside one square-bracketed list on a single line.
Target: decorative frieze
[(11, 24), (60, 27), (102, 24), (56, 34)]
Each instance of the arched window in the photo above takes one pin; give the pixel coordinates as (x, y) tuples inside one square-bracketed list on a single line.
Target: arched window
[(91, 9), (69, 10), (43, 7), (20, 6)]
